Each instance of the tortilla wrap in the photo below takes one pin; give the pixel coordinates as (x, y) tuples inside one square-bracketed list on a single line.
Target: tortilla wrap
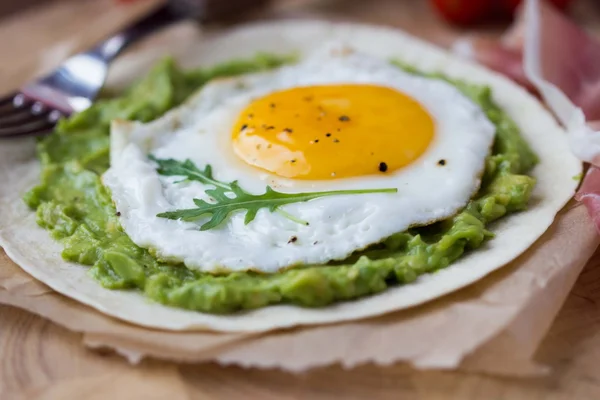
[(32, 248)]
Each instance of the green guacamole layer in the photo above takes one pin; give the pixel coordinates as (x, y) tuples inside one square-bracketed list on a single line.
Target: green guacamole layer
[(75, 207)]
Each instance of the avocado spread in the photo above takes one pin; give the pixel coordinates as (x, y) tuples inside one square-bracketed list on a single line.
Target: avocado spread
[(76, 208)]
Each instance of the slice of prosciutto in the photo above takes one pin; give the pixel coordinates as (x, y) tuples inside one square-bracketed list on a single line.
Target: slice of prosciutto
[(563, 62), (549, 54), (504, 55)]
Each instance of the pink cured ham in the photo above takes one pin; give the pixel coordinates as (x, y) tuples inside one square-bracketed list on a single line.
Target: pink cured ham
[(589, 194), (504, 56), (563, 63), (551, 55)]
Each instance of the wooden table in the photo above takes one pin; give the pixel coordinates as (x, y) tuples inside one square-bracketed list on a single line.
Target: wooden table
[(41, 360)]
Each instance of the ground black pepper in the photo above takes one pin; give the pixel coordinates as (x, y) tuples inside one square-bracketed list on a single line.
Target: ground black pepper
[(383, 167)]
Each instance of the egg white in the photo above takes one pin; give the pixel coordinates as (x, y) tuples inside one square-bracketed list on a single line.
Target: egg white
[(201, 130)]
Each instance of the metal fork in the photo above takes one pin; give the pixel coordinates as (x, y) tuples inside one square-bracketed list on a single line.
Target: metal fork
[(37, 106)]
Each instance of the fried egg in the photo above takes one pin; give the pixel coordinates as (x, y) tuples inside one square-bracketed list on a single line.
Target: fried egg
[(336, 120)]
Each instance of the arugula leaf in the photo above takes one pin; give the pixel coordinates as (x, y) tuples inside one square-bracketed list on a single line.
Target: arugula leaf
[(171, 167), (230, 197)]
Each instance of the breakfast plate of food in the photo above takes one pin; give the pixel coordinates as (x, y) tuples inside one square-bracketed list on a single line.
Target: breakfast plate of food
[(303, 172)]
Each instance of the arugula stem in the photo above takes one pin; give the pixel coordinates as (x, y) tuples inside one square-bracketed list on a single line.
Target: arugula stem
[(223, 204), (219, 184), (258, 201), (291, 217), (314, 195), (171, 167)]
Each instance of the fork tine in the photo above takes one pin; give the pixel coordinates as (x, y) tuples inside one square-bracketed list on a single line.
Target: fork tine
[(7, 111), (40, 132), (31, 128), (10, 108), (19, 117), (8, 99)]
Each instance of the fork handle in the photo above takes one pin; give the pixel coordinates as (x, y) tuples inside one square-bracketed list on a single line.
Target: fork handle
[(158, 19)]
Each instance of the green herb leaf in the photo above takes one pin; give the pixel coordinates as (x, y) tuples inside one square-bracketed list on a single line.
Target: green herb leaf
[(170, 167), (231, 197)]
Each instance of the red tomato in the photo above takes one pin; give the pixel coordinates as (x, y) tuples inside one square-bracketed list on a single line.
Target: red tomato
[(561, 4), (466, 12), (509, 6), (463, 11)]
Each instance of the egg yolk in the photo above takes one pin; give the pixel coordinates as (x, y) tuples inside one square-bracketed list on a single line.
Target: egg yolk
[(333, 131)]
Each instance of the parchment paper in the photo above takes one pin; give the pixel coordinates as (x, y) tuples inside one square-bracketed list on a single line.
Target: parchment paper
[(492, 326)]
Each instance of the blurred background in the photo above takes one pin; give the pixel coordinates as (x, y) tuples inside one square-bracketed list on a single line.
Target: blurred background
[(38, 34), (455, 11), (10, 6)]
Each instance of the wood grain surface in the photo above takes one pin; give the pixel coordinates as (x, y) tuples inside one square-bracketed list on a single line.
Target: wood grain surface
[(40, 360)]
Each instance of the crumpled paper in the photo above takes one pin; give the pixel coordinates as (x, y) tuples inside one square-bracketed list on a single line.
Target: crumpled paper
[(492, 326)]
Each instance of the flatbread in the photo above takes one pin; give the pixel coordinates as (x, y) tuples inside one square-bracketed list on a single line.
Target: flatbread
[(32, 248)]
